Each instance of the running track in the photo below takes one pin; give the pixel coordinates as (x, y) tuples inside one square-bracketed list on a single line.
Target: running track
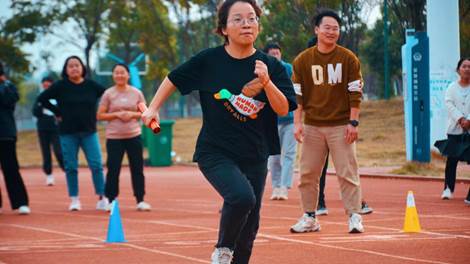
[(182, 227)]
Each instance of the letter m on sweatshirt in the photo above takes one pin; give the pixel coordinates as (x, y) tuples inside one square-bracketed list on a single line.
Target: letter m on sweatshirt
[(334, 74)]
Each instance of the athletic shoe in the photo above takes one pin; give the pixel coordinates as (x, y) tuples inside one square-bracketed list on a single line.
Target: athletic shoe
[(467, 201), (102, 204), (108, 207), (75, 205), (283, 193), (321, 210), (365, 209), (305, 224), (24, 210), (446, 194), (143, 206), (355, 224), (222, 256), (50, 180), (275, 194)]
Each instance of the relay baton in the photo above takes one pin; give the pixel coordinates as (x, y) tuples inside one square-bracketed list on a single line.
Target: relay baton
[(153, 123)]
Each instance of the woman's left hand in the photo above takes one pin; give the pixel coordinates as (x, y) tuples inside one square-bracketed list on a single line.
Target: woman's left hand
[(261, 70)]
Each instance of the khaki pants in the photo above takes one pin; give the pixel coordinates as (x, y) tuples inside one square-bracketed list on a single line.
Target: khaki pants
[(317, 141)]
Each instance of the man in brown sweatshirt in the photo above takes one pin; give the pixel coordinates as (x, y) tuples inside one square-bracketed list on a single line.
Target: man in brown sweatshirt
[(328, 82)]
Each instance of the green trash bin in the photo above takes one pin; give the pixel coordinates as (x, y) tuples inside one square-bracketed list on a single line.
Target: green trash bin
[(159, 145)]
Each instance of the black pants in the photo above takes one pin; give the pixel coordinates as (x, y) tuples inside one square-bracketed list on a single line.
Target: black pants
[(321, 193), (451, 173), (116, 149), (48, 138), (11, 172), (241, 184)]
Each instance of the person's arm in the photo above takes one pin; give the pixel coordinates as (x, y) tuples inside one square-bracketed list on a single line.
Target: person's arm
[(37, 109), (456, 115), (276, 98), (103, 114), (352, 132), (50, 93), (8, 94), (298, 125), (164, 91), (355, 84)]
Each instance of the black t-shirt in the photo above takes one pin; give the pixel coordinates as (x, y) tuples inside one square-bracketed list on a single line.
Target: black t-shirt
[(76, 105), (232, 124)]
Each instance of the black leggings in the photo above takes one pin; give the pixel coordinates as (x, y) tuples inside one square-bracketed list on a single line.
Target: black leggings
[(116, 149), (451, 173), (241, 184), (11, 172), (48, 138)]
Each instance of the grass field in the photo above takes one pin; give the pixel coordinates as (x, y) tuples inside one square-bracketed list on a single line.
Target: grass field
[(381, 141)]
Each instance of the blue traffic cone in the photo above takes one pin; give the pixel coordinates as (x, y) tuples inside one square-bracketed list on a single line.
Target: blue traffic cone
[(115, 231)]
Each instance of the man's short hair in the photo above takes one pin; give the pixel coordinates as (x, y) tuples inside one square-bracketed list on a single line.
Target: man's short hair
[(326, 12), (271, 46), (47, 79)]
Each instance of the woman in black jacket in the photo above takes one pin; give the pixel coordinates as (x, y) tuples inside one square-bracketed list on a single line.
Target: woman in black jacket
[(8, 159)]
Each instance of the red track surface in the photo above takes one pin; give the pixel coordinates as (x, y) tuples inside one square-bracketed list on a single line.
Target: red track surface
[(182, 227)]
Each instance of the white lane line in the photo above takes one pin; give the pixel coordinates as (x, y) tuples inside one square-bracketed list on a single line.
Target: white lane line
[(98, 239), (381, 240), (279, 238), (302, 241), (384, 228)]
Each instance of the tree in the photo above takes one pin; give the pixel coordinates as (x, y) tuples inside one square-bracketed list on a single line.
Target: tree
[(289, 23), (464, 10), (27, 23), (157, 37), (409, 13), (352, 25), (89, 18)]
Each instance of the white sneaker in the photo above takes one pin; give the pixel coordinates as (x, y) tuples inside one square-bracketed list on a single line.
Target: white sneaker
[(355, 224), (24, 210), (305, 224), (283, 193), (50, 180), (275, 194), (446, 194), (466, 201), (102, 204), (143, 206), (222, 256), (75, 205), (321, 211), (108, 207)]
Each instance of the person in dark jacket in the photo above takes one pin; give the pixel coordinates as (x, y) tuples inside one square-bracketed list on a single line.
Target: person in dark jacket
[(8, 159), (48, 134)]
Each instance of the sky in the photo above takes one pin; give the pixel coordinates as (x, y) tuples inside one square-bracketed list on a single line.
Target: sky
[(61, 49)]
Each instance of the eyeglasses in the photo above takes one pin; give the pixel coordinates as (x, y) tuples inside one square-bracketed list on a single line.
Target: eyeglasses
[(241, 21)]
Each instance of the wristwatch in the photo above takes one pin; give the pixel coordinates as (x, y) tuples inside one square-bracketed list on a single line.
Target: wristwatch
[(354, 123)]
